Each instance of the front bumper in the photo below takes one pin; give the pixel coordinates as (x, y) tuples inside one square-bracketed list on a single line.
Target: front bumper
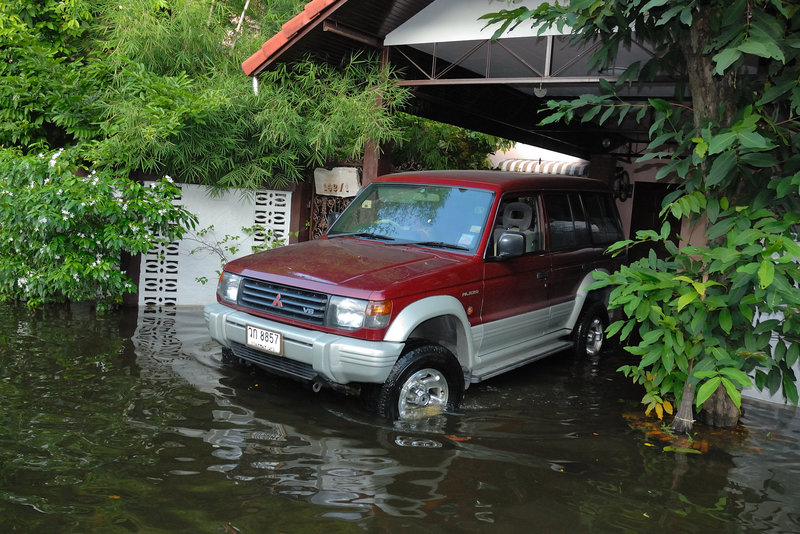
[(306, 353)]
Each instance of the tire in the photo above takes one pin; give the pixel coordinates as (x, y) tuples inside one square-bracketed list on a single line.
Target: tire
[(425, 381), (590, 331)]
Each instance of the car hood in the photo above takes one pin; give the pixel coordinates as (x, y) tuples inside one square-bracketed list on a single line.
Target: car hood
[(351, 267)]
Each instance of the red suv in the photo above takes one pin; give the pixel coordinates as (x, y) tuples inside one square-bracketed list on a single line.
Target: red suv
[(428, 282)]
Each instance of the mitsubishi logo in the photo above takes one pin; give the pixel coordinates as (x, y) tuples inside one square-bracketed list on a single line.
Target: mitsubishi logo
[(277, 302)]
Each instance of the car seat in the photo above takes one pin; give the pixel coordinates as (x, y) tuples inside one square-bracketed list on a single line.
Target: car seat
[(519, 217)]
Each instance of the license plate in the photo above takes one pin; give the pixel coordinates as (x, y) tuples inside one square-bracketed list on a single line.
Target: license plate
[(265, 340)]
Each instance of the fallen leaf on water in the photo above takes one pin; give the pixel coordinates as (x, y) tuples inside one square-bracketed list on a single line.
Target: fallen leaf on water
[(687, 450)]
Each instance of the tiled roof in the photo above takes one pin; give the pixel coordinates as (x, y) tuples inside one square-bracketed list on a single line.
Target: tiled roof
[(278, 41)]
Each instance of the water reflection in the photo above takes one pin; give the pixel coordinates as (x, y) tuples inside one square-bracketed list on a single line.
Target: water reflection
[(132, 423)]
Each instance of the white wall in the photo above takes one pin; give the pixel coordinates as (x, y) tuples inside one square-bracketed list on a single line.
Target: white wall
[(169, 275)]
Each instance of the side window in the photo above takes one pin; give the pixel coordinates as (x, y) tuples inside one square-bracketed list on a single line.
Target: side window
[(582, 237), (566, 220), (520, 213), (603, 221)]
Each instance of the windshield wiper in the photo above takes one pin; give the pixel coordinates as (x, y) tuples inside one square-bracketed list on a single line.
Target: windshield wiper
[(436, 244), (367, 235)]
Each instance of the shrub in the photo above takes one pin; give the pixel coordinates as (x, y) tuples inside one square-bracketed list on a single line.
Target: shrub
[(63, 229)]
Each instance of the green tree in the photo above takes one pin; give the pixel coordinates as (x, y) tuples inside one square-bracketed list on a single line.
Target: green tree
[(428, 144), (710, 316)]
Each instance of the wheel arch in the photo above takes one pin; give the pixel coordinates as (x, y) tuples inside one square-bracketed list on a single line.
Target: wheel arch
[(584, 297), (440, 319)]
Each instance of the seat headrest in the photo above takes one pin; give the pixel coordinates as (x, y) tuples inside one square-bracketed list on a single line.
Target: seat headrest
[(518, 214)]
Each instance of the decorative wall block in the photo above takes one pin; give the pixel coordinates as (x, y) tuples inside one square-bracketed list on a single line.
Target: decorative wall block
[(273, 212)]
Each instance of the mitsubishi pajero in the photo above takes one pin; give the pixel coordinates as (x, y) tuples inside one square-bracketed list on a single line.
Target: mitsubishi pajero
[(427, 283)]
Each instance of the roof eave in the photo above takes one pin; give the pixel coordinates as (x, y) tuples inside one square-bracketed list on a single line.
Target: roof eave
[(312, 15)]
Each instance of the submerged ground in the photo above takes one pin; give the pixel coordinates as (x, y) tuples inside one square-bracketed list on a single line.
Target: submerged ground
[(129, 422)]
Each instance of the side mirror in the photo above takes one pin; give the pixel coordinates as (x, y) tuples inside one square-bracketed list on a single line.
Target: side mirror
[(510, 245)]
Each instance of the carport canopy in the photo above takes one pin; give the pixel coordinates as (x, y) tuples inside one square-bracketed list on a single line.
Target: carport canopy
[(459, 75)]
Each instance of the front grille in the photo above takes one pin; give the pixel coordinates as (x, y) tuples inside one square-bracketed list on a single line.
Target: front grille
[(276, 364), (284, 301)]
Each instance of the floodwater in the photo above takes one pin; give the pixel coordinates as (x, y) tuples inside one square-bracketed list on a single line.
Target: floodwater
[(129, 422)]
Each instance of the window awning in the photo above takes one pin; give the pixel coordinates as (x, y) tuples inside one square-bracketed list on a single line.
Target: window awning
[(537, 166)]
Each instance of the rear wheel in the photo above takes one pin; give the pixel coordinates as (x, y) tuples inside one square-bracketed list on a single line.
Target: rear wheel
[(590, 332), (425, 381)]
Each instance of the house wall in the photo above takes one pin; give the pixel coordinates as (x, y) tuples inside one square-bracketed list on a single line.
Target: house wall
[(174, 274)]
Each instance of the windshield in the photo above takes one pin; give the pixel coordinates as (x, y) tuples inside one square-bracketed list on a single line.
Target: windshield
[(427, 215)]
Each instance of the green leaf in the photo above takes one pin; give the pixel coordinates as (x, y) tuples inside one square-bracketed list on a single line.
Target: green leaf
[(776, 91), (686, 299), (725, 59), (733, 392), (754, 141), (767, 49), (706, 390), (721, 228), (721, 168), (725, 321), (653, 3), (738, 375), (659, 104), (792, 353), (614, 327), (720, 142), (766, 273), (758, 159), (790, 388)]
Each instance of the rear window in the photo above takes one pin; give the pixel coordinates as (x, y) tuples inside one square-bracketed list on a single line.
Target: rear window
[(603, 220), (578, 220)]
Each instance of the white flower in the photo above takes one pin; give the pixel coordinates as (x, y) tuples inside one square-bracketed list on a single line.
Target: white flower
[(53, 158)]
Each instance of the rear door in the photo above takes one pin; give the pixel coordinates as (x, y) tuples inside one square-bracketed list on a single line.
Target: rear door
[(573, 255)]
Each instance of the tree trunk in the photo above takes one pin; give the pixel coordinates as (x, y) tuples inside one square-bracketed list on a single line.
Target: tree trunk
[(708, 91), (684, 419), (719, 410), (712, 99)]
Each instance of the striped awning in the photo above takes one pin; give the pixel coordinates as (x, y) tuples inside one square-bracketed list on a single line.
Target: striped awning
[(537, 166)]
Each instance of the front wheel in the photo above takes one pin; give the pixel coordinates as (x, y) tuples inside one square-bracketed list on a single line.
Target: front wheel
[(425, 381), (590, 332)]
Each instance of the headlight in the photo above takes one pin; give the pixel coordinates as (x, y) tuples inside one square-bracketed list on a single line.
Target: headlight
[(228, 287), (353, 314)]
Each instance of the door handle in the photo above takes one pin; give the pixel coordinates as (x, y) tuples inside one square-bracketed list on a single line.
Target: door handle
[(541, 275)]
